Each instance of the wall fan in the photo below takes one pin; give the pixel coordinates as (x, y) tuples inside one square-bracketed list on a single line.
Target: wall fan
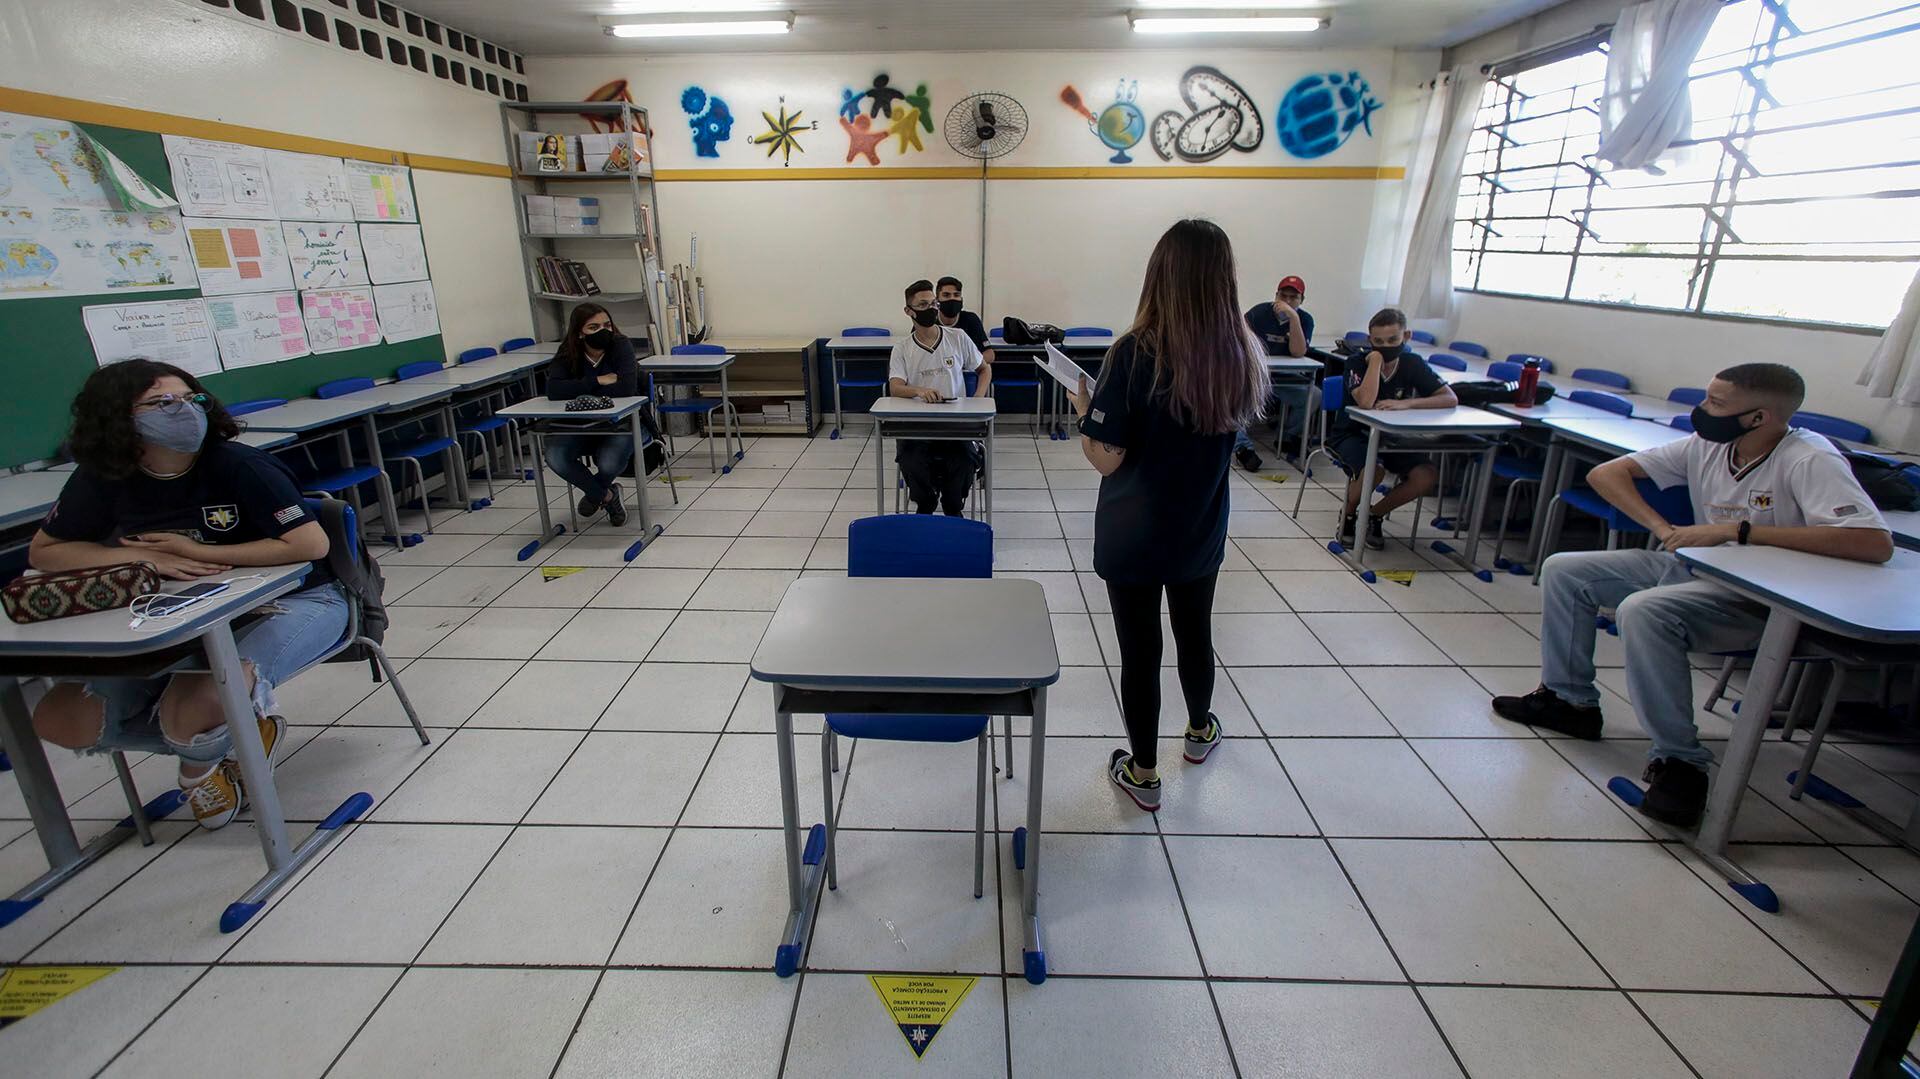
[(984, 126)]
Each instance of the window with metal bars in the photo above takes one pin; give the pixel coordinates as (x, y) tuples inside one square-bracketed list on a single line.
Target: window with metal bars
[(1794, 197)]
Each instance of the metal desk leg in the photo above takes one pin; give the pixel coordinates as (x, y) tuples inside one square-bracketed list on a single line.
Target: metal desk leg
[(647, 529), (833, 367), (1482, 484), (1034, 953), (1549, 481), (803, 885), (986, 487), (1364, 508), (1882, 1052), (736, 437), (540, 493), (879, 467), (389, 509)]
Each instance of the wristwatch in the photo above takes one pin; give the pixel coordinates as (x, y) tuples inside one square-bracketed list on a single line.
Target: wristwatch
[(1746, 528)]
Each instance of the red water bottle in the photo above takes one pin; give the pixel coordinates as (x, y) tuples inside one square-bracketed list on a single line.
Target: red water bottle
[(1529, 383)]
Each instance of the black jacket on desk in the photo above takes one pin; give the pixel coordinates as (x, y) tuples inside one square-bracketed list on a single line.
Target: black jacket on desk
[(564, 385)]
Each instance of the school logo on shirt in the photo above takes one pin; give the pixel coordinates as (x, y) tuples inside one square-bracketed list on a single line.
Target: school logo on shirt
[(220, 518), (1760, 500)]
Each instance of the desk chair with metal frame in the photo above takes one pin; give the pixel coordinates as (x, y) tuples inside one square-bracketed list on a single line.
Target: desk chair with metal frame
[(415, 446), (840, 381), (343, 481), (696, 406), (429, 367), (1471, 348)]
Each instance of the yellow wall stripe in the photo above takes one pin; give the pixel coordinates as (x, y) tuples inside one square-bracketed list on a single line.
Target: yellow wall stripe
[(1020, 172)]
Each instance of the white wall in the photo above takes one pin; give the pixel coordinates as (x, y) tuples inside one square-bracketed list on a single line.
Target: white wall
[(812, 256), (166, 56)]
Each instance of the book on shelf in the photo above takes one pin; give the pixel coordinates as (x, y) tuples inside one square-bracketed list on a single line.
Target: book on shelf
[(588, 286), (565, 277)]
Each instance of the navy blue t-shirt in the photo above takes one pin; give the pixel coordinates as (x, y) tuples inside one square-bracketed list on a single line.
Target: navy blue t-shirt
[(1271, 329)]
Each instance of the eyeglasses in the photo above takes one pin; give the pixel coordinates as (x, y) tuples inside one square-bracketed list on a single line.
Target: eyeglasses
[(171, 401)]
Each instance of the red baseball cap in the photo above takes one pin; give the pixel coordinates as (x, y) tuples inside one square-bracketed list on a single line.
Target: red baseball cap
[(1293, 283)]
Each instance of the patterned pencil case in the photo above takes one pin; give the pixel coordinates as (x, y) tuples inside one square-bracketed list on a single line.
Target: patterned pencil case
[(46, 596), (587, 402)]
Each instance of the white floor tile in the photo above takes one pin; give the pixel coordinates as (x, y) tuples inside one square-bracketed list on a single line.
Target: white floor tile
[(1108, 906), (1370, 787), (1377, 639), (573, 590), (909, 785), (224, 1013), (1240, 789), (502, 633), (443, 692), (748, 499), (450, 1020), (1288, 554), (464, 586), (1164, 1027), (676, 697), (1266, 640), (1331, 1032), (704, 522), (481, 776), (682, 552), (1293, 702), (320, 695), (650, 586), (1434, 702), (625, 778), (1479, 639), (743, 589), (682, 1022), (1551, 1033), (1758, 1037), (556, 694), (905, 902), (1078, 796), (77, 1036), (717, 899), (1432, 592), (411, 631), (1520, 788), (711, 637), (1306, 921), (841, 1029)]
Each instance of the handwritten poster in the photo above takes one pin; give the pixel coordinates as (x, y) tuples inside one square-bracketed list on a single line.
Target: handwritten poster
[(238, 256), (406, 311), (324, 255), (394, 253), (259, 328), (340, 319), (307, 187), (219, 179), (380, 192), (171, 331)]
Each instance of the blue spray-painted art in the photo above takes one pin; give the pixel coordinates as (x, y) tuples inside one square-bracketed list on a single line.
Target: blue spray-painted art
[(1320, 112), (712, 121)]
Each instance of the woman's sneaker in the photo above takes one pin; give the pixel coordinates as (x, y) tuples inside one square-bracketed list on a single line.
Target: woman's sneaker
[(217, 798), (1145, 793), (1201, 743), (616, 513)]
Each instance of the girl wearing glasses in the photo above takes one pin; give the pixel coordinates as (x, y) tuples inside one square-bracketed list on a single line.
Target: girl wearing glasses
[(162, 481)]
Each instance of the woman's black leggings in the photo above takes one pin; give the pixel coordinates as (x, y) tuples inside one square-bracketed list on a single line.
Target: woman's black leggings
[(1136, 623)]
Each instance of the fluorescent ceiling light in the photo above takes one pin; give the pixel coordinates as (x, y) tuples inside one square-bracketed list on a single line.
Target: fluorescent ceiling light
[(1205, 5), (690, 7), (700, 28), (1237, 24)]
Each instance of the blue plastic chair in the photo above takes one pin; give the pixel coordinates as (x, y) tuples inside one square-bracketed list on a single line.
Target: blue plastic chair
[(695, 406), (1681, 423), (1088, 331), (1597, 399), (413, 450), (241, 408), (340, 387), (430, 367), (1447, 360), (1604, 377), (513, 343), (1504, 371), (841, 381), (473, 354), (1423, 337), (417, 369), (1673, 503), (1832, 426), (1546, 365), (1333, 398), (1356, 338), (997, 333), (1471, 348), (1687, 395), (916, 545)]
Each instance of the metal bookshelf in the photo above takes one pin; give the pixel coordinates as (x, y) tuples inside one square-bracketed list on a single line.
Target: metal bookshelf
[(634, 303)]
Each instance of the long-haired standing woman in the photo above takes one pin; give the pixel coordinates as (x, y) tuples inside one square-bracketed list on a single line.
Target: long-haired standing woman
[(1159, 427), (594, 359)]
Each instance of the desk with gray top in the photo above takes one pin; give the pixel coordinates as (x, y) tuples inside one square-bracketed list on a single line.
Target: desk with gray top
[(962, 420), (315, 415), (701, 368), (27, 496), (867, 645), (542, 415), (103, 638), (1459, 422), (1294, 370), (1599, 438)]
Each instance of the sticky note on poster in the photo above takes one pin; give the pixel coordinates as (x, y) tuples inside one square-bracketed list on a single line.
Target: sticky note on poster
[(25, 990), (255, 329), (381, 192), (233, 255), (920, 1004), (332, 325)]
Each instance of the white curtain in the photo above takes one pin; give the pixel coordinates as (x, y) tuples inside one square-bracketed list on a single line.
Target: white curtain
[(1644, 103), (1426, 283), (1894, 368)]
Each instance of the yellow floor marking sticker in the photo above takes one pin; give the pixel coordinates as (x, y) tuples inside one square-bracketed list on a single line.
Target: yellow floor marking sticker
[(1402, 577), (920, 1004), (25, 990), (554, 573)]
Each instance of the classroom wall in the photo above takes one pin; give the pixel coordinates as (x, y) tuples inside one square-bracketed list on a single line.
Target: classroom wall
[(1068, 230), (166, 56)]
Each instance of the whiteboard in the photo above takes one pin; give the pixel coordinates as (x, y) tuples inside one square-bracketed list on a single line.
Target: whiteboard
[(307, 187), (259, 328), (219, 179), (324, 254), (407, 311), (238, 256), (380, 192), (394, 253), (171, 331)]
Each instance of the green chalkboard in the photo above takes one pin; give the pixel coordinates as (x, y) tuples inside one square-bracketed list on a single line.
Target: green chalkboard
[(45, 354)]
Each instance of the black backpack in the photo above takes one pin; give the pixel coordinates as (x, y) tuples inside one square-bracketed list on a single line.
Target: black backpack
[(1020, 332), (1494, 392), (1891, 485)]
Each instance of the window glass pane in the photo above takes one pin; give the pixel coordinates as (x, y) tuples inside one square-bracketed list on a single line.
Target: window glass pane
[(1829, 221), (1644, 282), (1527, 275), (1859, 293)]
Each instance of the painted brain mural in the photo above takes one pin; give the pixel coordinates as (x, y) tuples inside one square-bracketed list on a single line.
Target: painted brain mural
[(1320, 112)]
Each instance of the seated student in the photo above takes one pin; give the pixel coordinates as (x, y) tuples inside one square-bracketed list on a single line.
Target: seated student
[(1752, 480), (594, 359), (953, 313), (160, 480), (1388, 377), (1284, 327), (931, 365)]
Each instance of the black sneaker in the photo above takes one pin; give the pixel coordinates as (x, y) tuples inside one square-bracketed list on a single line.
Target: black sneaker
[(1199, 743), (589, 505), (1544, 708), (1346, 531), (1146, 795), (1249, 459), (616, 513), (1376, 533), (1676, 792)]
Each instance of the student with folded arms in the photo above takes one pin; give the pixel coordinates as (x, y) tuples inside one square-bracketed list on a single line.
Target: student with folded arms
[(1284, 327), (594, 360), (931, 364)]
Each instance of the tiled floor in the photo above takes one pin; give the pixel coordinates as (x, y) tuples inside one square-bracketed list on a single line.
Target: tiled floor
[(581, 875)]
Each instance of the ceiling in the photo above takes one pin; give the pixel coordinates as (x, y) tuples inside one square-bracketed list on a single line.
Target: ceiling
[(571, 27)]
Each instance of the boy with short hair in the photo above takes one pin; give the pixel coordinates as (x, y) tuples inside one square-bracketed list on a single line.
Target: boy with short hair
[(1284, 327), (931, 364), (953, 312), (1388, 377)]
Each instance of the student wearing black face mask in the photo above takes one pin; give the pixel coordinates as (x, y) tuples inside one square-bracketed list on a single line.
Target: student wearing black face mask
[(1389, 376), (1752, 480), (931, 365), (953, 313), (594, 359)]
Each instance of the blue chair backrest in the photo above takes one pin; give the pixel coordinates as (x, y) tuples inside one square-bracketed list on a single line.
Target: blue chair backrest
[(864, 331), (415, 370), (1681, 423), (1546, 365), (1603, 376), (341, 386), (1832, 426), (1472, 349), (1687, 395), (244, 407), (698, 350), (1447, 360), (516, 342), (1088, 331), (919, 545), (1597, 399), (1355, 337), (1501, 370), (480, 353), (1423, 337), (997, 333), (1674, 503), (1333, 394)]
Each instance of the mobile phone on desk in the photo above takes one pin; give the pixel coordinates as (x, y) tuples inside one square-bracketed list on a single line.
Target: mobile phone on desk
[(174, 602)]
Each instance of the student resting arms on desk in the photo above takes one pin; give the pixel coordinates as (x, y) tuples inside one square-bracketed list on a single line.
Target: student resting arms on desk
[(1284, 327), (931, 365), (1159, 428), (1388, 377), (1752, 480), (160, 480), (595, 359)]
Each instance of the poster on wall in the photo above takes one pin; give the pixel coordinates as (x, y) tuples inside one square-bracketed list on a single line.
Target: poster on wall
[(380, 192), (258, 328), (407, 311), (71, 252), (47, 163), (219, 179), (308, 187), (340, 319), (171, 331), (238, 256), (394, 253), (324, 254)]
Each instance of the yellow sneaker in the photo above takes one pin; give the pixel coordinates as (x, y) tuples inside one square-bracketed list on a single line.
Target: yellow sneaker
[(271, 728), (216, 798)]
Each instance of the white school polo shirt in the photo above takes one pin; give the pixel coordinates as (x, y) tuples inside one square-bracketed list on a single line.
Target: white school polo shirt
[(941, 367), (1804, 481)]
